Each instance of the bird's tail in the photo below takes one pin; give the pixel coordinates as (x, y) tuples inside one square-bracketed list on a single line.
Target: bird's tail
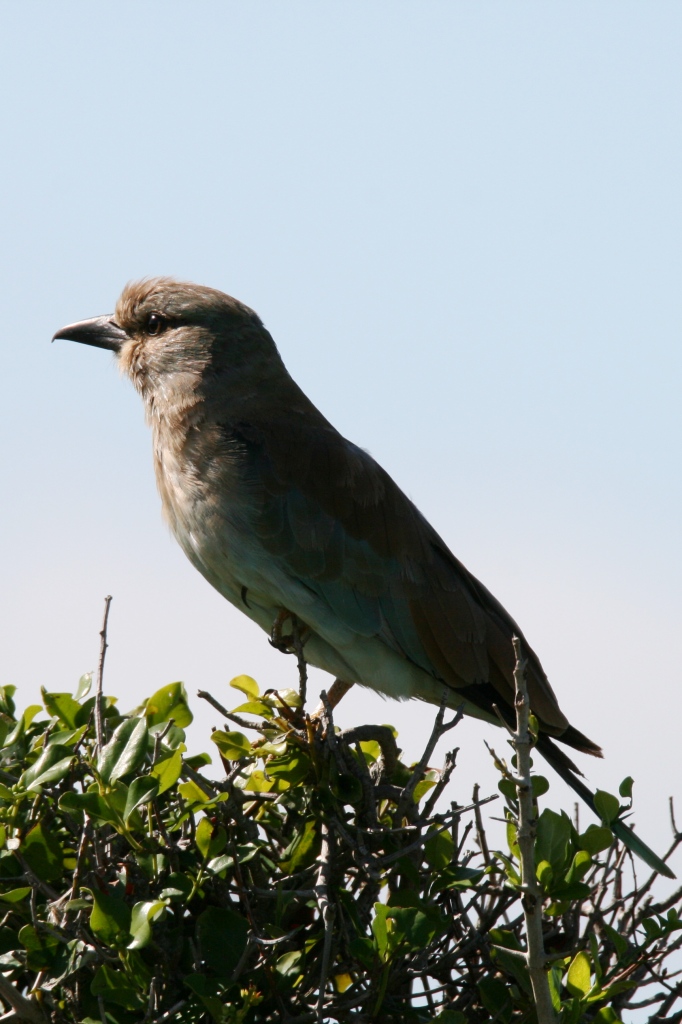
[(564, 767)]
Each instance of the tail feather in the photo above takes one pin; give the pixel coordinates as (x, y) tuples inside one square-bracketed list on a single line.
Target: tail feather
[(565, 768)]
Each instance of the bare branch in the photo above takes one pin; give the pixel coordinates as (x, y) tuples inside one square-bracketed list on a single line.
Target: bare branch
[(99, 717)]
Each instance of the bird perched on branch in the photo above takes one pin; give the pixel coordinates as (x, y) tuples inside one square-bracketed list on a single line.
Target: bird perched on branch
[(286, 518)]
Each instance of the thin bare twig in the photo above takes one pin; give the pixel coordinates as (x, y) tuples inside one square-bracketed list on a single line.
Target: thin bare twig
[(439, 729), (243, 723), (99, 718), (26, 1009)]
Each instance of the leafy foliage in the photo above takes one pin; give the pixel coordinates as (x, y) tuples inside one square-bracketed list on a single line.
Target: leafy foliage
[(317, 881)]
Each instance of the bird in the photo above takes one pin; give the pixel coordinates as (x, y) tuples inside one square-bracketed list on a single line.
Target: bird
[(289, 520)]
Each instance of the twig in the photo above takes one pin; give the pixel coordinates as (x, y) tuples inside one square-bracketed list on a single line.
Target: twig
[(99, 724), (480, 831), (169, 1014), (532, 892), (327, 913), (243, 723), (446, 771), (439, 729), (27, 1009), (382, 735), (75, 884), (389, 858), (160, 737)]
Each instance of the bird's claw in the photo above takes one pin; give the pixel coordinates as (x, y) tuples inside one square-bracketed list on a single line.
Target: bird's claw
[(288, 642)]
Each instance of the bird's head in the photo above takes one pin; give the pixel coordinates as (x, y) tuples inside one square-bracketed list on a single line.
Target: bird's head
[(182, 343)]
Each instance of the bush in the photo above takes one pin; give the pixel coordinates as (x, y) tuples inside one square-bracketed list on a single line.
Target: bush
[(321, 880)]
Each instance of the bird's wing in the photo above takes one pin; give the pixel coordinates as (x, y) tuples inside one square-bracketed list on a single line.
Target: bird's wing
[(336, 520)]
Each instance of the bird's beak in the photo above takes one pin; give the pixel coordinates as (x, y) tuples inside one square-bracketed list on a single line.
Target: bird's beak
[(101, 331)]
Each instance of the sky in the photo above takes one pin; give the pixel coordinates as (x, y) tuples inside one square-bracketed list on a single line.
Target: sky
[(461, 221)]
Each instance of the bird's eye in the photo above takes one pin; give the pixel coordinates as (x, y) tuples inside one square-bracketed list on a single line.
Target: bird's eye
[(156, 323)]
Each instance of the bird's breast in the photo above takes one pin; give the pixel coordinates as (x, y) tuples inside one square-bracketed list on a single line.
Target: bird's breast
[(210, 508)]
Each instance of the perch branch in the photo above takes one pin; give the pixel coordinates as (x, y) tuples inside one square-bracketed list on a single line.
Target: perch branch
[(532, 892)]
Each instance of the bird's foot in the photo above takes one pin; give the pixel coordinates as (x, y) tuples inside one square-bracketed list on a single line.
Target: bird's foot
[(287, 643), (337, 691)]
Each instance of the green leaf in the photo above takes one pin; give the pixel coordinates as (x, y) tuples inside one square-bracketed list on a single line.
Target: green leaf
[(572, 891), (508, 789), (380, 930), (61, 706), (218, 865), (43, 853), (292, 768), (545, 874), (232, 745), (41, 947), (255, 707), (606, 1015), (169, 702), (125, 751), (496, 999), (141, 791), (93, 804), (209, 992), (438, 850), (52, 765), (140, 921), (371, 749), (83, 688), (607, 806), (625, 788), (291, 698), (22, 725), (6, 702), (258, 782), (422, 787), (168, 771), (596, 839), (414, 926), (113, 986), (110, 918), (15, 895), (247, 685), (540, 785), (221, 937), (515, 967), (451, 1017), (578, 980), (363, 950), (193, 794), (581, 864), (203, 836), (198, 761), (512, 838), (553, 838), (66, 737), (303, 849), (458, 878), (289, 963), (178, 887)]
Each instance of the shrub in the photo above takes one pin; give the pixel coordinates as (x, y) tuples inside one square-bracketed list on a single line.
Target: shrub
[(322, 879)]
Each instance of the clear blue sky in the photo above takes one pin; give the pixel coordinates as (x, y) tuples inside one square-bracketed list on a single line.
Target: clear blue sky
[(462, 224)]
